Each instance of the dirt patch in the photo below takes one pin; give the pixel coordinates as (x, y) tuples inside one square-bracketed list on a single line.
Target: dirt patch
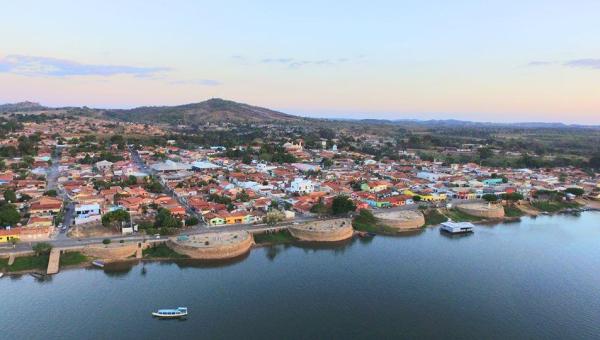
[(91, 230)]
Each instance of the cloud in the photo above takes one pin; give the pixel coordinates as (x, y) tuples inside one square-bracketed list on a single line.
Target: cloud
[(539, 63), (202, 82), (297, 63), (584, 63), (54, 67)]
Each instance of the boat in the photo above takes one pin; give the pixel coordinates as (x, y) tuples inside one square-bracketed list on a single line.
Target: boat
[(1, 275), (179, 312), (457, 227), (98, 263)]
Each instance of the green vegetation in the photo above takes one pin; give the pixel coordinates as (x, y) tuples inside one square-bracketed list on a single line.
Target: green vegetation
[(553, 206), (162, 251), (42, 248), (73, 258), (434, 217), (342, 205), (106, 241), (490, 197), (115, 218), (279, 237), (512, 211), (9, 215), (25, 263), (366, 221), (459, 216)]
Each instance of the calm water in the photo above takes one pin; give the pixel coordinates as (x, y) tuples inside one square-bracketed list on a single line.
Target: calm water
[(539, 278)]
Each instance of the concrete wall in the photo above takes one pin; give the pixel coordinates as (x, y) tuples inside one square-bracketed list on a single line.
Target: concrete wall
[(113, 251), (402, 220), (323, 231), (482, 210), (218, 252)]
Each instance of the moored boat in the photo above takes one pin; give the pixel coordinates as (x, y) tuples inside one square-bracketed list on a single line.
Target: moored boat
[(457, 227), (179, 312), (98, 263)]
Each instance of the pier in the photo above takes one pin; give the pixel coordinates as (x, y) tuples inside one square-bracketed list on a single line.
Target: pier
[(54, 261)]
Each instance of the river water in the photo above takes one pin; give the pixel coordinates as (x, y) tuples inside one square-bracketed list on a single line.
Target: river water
[(538, 278)]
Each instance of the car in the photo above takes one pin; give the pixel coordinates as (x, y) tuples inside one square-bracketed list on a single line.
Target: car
[(157, 236)]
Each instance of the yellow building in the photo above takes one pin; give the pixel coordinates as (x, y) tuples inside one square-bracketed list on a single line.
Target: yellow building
[(7, 235)]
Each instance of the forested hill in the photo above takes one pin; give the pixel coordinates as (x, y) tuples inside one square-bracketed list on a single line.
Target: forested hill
[(212, 110)]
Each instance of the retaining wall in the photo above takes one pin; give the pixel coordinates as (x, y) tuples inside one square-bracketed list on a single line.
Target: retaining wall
[(323, 231)]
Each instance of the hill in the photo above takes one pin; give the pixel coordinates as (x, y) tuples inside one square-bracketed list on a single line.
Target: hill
[(22, 107), (212, 110)]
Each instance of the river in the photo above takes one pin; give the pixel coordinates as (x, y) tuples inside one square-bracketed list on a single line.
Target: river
[(538, 278)]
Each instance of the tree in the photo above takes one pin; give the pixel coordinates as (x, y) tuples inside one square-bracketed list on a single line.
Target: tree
[(575, 191), (416, 198), (274, 216), (14, 241), (106, 241), (242, 196), (319, 208), (115, 218), (513, 196), (490, 197), (9, 215), (342, 204), (10, 196), (164, 219), (42, 248), (191, 221), (51, 193)]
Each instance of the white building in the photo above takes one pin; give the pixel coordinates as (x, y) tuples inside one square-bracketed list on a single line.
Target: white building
[(302, 186)]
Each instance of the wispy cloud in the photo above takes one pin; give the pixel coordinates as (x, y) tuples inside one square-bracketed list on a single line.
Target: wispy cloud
[(202, 82), (298, 63), (584, 63), (54, 67), (587, 63), (539, 63), (294, 63)]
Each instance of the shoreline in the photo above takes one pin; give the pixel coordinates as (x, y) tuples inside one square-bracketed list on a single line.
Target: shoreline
[(294, 242)]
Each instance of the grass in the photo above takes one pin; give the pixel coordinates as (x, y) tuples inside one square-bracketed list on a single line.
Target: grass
[(553, 206), (72, 258), (279, 237), (365, 221), (512, 211), (162, 251), (25, 263), (434, 217), (459, 216)]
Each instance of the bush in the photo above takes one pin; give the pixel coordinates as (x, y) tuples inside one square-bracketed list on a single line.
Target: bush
[(191, 221), (106, 241), (42, 248)]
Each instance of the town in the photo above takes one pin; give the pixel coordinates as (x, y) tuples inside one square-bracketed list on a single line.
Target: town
[(65, 180)]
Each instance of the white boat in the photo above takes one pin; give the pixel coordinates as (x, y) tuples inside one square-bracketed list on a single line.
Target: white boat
[(457, 227), (179, 312), (98, 263), (1, 275)]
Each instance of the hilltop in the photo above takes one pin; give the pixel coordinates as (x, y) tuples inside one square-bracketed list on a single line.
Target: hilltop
[(213, 110)]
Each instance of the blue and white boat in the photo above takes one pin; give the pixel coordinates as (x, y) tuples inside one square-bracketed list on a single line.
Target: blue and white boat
[(98, 263), (179, 312), (457, 227)]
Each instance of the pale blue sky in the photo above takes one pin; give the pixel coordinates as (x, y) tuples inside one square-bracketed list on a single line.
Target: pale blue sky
[(479, 60)]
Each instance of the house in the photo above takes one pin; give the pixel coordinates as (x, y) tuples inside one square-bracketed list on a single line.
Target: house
[(213, 219), (45, 205), (301, 186)]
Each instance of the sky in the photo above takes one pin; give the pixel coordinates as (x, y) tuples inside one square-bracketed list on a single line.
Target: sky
[(501, 61)]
